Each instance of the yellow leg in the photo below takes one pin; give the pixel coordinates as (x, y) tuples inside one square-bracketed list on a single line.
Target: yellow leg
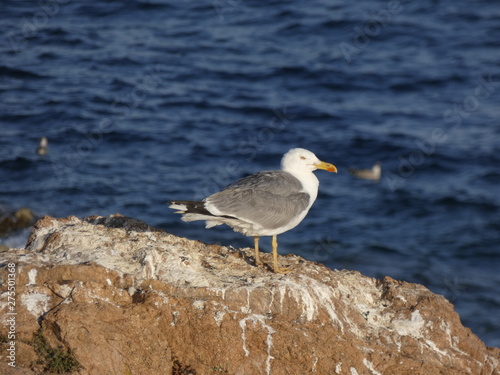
[(256, 245), (276, 268)]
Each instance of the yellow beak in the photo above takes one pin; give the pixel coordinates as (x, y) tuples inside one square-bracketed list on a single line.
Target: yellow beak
[(326, 166)]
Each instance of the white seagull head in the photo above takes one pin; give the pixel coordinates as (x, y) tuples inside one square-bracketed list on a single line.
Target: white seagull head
[(302, 160)]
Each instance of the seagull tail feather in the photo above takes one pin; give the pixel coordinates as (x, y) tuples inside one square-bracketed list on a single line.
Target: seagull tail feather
[(189, 207)]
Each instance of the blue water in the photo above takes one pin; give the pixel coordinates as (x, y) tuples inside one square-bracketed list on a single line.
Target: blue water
[(148, 101)]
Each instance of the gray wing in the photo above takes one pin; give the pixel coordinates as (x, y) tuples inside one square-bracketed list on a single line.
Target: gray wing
[(270, 198)]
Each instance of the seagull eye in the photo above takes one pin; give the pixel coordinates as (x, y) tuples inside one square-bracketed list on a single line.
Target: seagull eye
[(303, 158)]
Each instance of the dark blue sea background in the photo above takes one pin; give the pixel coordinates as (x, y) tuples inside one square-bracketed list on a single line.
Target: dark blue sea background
[(148, 101)]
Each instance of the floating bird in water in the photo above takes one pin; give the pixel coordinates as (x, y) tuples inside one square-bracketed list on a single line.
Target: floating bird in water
[(42, 148), (266, 203), (368, 174)]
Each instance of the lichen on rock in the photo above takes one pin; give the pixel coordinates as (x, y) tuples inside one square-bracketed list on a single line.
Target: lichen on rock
[(125, 298)]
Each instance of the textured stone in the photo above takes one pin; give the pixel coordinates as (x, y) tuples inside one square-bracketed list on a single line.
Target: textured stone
[(126, 298)]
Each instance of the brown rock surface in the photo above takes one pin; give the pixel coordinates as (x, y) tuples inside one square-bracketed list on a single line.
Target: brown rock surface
[(120, 297), (15, 220)]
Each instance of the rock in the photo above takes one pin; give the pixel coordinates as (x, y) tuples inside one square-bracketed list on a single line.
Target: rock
[(13, 221), (111, 295)]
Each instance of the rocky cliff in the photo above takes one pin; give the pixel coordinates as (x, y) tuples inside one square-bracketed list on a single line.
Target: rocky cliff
[(111, 295)]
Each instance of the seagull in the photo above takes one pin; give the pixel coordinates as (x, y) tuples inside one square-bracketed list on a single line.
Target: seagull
[(368, 174), (266, 203), (42, 149)]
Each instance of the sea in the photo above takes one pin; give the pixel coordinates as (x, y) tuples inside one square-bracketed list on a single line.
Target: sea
[(149, 101)]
